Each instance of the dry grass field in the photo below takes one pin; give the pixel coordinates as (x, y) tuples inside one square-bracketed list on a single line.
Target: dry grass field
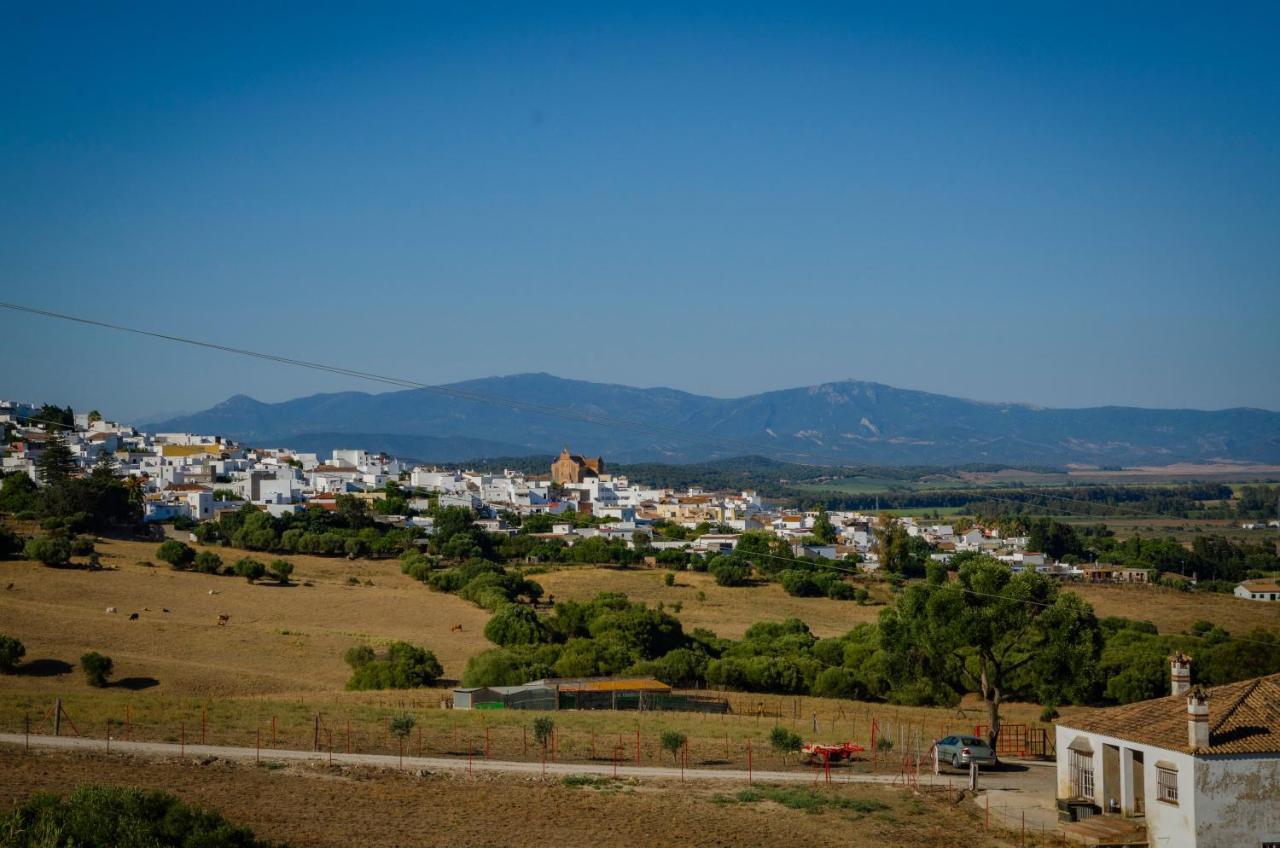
[(726, 611), (279, 639), (1173, 611), (322, 807)]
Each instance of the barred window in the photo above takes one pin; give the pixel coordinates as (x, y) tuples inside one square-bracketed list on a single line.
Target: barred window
[(1081, 766), (1167, 785)]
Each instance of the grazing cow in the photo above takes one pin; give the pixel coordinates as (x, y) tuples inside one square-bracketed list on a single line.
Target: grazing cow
[(164, 609), (111, 610), (133, 616), (223, 618)]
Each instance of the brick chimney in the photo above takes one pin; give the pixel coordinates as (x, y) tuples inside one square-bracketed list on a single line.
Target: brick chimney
[(1198, 719), (1180, 673)]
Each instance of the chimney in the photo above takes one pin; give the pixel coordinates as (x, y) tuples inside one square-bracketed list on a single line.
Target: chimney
[(1198, 719), (1180, 673)]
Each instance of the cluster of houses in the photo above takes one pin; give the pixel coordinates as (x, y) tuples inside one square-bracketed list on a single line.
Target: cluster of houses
[(184, 475)]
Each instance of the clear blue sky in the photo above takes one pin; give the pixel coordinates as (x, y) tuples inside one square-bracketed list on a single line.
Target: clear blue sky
[(1076, 206)]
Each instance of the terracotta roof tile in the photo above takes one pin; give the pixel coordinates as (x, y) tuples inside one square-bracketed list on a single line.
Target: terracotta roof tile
[(1244, 718)]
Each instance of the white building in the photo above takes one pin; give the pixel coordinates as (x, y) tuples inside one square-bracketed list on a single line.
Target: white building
[(1259, 590), (1196, 769)]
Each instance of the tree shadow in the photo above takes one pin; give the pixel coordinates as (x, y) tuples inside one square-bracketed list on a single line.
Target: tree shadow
[(270, 584), (44, 668), (134, 684)]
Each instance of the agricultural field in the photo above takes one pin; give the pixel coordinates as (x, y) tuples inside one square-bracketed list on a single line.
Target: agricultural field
[(1174, 611), (1182, 529)]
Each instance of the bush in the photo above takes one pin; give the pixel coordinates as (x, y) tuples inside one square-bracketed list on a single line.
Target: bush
[(673, 741), (359, 655), (249, 569), (543, 728), (97, 668), (49, 550), (401, 726), (207, 562), (280, 570), (177, 554), (404, 666), (514, 624), (728, 573), (11, 652), (784, 741), (10, 543), (82, 546), (668, 579), (108, 816)]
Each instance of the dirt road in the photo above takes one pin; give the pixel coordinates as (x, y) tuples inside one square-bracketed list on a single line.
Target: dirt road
[(1023, 779)]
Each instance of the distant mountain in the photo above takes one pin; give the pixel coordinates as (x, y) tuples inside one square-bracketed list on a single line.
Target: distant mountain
[(832, 423)]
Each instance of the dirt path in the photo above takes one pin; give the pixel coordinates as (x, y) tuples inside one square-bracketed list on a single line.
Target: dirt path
[(1027, 780)]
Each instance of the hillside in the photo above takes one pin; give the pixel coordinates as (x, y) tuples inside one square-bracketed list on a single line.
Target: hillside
[(844, 422)]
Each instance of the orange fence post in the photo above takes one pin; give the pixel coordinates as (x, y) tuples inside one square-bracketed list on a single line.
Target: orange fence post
[(637, 746), (257, 746), (348, 734), (273, 731), (486, 741)]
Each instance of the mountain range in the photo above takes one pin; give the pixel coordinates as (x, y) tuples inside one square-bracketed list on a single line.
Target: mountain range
[(832, 423)]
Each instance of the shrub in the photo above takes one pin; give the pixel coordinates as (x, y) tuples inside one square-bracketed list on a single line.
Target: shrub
[(97, 668), (207, 562), (401, 726), (82, 546), (49, 550), (11, 652), (177, 554), (107, 816), (543, 727), (784, 741), (514, 624), (672, 742), (404, 666), (280, 570), (249, 569), (10, 543), (359, 655), (728, 573), (668, 579)]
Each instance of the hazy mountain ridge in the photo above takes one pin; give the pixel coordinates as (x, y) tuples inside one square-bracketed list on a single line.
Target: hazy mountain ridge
[(848, 421)]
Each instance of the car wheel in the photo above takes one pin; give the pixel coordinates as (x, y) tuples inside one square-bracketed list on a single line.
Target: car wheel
[(955, 761)]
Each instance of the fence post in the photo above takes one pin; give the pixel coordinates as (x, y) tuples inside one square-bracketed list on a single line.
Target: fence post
[(486, 741), (273, 731), (637, 746), (257, 747), (315, 741), (1022, 838), (986, 817), (128, 723), (348, 734), (330, 733), (468, 757), (57, 717), (26, 732)]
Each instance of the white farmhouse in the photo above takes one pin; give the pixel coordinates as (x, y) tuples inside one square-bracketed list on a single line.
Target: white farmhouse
[(1259, 590), (1196, 769)]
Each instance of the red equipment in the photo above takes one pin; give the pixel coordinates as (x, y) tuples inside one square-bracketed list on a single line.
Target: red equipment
[(818, 753)]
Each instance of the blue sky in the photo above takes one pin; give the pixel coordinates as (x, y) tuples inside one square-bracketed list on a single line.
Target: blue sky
[(1075, 206)]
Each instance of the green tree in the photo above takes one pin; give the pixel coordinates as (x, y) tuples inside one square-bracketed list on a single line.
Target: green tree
[(56, 463), (673, 742), (249, 569), (995, 633), (11, 652), (207, 562), (404, 666), (49, 550), (281, 569), (784, 741), (177, 554), (515, 624), (823, 530), (97, 668), (543, 728)]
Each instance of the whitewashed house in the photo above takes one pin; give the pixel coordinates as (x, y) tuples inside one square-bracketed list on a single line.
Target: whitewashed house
[(1196, 769), (1259, 590)]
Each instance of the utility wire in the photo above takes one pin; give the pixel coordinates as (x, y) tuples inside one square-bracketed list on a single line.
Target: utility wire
[(514, 404)]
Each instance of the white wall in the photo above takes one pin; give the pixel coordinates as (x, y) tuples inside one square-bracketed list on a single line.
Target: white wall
[(1237, 800)]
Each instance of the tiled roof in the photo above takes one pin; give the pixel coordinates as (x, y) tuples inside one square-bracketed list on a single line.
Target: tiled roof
[(1244, 718), (1261, 585)]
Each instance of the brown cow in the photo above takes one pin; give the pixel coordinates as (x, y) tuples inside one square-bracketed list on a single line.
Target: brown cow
[(223, 618)]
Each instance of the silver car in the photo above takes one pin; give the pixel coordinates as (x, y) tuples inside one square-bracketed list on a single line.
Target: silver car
[(962, 750)]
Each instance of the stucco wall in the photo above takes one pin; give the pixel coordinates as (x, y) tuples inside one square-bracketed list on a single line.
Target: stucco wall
[(1237, 801)]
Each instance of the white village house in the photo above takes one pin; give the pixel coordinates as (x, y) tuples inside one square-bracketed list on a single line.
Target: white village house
[(1259, 590), (1196, 769)]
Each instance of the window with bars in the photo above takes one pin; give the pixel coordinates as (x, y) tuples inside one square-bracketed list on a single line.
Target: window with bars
[(1081, 766), (1167, 785)]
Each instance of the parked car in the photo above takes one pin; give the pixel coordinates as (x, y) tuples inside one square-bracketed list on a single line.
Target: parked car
[(962, 750)]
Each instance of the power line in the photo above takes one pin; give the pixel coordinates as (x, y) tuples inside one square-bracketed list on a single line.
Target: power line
[(509, 403)]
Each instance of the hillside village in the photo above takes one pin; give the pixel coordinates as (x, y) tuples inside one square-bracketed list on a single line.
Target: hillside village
[(186, 477)]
